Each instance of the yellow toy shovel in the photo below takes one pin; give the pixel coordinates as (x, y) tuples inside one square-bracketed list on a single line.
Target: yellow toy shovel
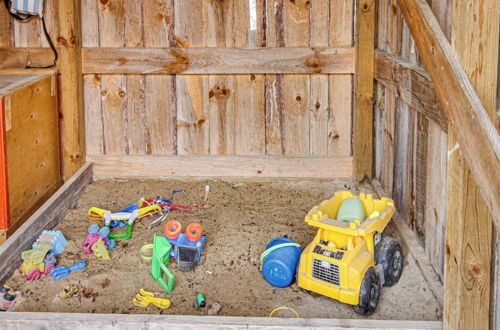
[(144, 298)]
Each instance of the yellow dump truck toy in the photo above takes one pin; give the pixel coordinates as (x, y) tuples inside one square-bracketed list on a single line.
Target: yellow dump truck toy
[(349, 260)]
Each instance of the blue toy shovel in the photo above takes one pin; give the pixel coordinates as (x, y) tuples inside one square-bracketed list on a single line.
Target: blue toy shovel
[(63, 271)]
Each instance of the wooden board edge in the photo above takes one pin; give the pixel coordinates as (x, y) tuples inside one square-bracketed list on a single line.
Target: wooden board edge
[(77, 321), (221, 166), (46, 217), (411, 243)]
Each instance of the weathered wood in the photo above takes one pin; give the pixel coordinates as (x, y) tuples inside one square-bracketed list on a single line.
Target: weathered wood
[(435, 196), (319, 102), (191, 30), (94, 134), (410, 83), (218, 60), (363, 86), (340, 115), (249, 90), (78, 321), (222, 166), (412, 244), (32, 145), (71, 88), (468, 225), (477, 136), (340, 105), (114, 107), (6, 25), (46, 217), (21, 57)]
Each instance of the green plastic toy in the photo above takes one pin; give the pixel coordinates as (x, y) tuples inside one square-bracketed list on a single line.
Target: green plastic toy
[(128, 234), (160, 261)]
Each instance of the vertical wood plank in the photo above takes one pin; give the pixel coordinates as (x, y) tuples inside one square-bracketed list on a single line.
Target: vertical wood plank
[(27, 33), (51, 15), (114, 112), (388, 168), (249, 115), (113, 87), (90, 23), (468, 224), (6, 29), (71, 88), (296, 87), (136, 119), (319, 105), (339, 118), (93, 115), (339, 130), (435, 196), (193, 132), (160, 101), (274, 94), (381, 40), (222, 28)]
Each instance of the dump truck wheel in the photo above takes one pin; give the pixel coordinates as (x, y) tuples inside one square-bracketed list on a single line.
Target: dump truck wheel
[(369, 293), (390, 256)]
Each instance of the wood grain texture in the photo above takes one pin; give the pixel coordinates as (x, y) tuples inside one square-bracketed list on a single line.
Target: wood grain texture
[(410, 83), (32, 145), (114, 107), (479, 141), (21, 57), (319, 99), (193, 133), (94, 134), (6, 29), (46, 217), (178, 322), (218, 60), (468, 224), (363, 86), (435, 196), (222, 166), (71, 88)]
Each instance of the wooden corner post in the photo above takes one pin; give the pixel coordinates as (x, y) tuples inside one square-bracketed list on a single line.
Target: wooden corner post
[(363, 86), (71, 87)]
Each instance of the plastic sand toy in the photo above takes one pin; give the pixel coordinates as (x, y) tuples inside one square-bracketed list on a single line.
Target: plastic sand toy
[(348, 259), (37, 261), (144, 298), (160, 262)]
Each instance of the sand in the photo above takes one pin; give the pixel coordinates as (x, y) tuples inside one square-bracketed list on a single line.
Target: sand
[(238, 221)]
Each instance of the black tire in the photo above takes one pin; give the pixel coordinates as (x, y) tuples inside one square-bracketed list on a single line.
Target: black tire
[(369, 293), (390, 256)]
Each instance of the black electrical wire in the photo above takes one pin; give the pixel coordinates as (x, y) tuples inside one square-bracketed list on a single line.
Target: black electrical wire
[(49, 39)]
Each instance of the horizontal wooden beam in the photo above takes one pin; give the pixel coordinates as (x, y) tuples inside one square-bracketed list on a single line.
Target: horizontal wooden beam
[(22, 57), (412, 84), (478, 139), (78, 321), (221, 166), (46, 217), (218, 60)]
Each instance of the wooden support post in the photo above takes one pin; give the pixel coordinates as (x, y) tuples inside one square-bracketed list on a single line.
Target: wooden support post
[(71, 87), (468, 224), (363, 82), (476, 134)]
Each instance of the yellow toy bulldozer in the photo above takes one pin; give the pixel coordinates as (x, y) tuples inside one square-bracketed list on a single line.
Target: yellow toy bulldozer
[(349, 260)]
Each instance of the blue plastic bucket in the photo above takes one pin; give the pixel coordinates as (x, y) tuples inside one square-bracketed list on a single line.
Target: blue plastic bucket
[(280, 265)]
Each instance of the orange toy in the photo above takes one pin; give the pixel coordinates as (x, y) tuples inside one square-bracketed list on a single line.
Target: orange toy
[(172, 229), (193, 232)]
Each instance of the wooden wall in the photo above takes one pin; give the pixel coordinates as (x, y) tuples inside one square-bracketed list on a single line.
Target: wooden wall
[(245, 114), (410, 134)]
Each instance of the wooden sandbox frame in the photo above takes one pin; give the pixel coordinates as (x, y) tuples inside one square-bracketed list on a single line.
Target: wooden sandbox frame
[(445, 92), (66, 197)]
